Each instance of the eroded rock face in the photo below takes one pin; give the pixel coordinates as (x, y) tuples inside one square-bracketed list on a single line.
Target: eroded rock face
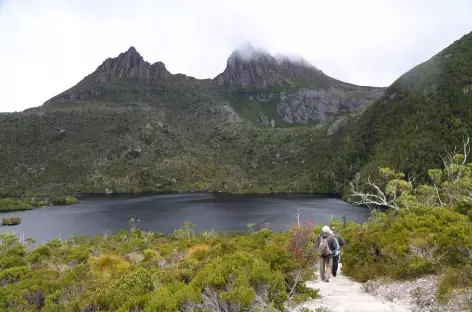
[(318, 105)]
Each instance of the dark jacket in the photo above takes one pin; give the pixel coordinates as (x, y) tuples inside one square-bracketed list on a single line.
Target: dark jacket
[(340, 239), (331, 241)]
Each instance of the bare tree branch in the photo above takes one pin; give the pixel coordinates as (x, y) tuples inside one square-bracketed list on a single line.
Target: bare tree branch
[(297, 279), (378, 198), (439, 197), (451, 161), (412, 178), (297, 216)]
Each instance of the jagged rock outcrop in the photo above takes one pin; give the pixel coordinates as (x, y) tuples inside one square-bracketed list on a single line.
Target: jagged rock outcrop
[(129, 64), (248, 67)]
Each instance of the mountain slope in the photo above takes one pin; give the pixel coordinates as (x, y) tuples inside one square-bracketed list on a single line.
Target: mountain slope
[(423, 112), (133, 126)]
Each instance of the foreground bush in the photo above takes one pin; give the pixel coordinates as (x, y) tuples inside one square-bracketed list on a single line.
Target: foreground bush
[(9, 204), (409, 243), (144, 271)]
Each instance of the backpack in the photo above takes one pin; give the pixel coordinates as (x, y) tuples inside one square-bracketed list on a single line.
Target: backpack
[(323, 247)]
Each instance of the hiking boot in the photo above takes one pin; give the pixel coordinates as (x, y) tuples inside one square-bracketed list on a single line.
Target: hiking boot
[(327, 280)]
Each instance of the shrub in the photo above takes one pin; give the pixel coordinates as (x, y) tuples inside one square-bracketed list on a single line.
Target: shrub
[(300, 242), (450, 280), (237, 274), (36, 202), (64, 200), (42, 252), (173, 297), (415, 241), (198, 252), (185, 232), (108, 262), (11, 275), (11, 221)]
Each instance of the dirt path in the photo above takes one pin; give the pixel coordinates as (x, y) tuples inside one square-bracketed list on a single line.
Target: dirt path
[(342, 294)]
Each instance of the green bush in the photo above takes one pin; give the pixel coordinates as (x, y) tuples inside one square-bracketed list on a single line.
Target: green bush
[(10, 204), (37, 202), (11, 275), (64, 200)]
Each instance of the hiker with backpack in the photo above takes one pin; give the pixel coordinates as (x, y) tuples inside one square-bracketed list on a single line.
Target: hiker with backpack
[(337, 253), (326, 246)]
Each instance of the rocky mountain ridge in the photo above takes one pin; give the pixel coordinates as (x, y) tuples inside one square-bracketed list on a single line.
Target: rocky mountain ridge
[(269, 90), (129, 64)]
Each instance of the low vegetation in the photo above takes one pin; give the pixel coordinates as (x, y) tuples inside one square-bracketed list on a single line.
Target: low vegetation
[(11, 221), (64, 200), (144, 271), (9, 204)]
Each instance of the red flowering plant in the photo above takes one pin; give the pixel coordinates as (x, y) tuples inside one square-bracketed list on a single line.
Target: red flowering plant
[(300, 242)]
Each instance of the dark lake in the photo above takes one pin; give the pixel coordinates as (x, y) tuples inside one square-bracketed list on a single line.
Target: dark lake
[(165, 213)]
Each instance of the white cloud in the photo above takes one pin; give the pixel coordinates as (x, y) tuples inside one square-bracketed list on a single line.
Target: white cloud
[(46, 46)]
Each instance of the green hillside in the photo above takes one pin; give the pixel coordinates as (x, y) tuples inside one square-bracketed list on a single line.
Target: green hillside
[(422, 113)]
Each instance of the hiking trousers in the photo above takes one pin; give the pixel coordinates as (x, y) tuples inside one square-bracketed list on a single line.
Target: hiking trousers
[(326, 266), (335, 265)]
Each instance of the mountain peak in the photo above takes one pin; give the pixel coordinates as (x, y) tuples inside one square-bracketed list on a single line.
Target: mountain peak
[(131, 52), (132, 49), (251, 67), (247, 52), (129, 64)]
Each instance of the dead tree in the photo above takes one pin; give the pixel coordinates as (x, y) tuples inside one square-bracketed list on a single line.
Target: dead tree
[(377, 197)]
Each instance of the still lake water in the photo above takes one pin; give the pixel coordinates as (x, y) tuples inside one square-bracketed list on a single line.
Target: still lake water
[(165, 213)]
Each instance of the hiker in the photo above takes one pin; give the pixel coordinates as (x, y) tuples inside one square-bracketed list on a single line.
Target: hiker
[(337, 253), (326, 245)]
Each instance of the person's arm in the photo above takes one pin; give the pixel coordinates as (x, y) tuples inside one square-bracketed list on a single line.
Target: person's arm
[(341, 240)]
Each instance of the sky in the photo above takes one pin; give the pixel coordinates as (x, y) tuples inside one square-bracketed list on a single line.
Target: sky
[(47, 46)]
